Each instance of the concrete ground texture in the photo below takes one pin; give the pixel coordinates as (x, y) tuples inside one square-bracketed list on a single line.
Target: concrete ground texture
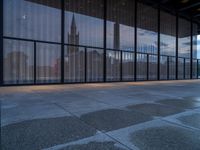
[(153, 115)]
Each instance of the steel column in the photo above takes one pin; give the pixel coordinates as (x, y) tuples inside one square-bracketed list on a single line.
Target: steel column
[(158, 61), (191, 50), (167, 67), (85, 64), (135, 54), (177, 46), (184, 71), (34, 57), (62, 39), (121, 65), (147, 67), (105, 40), (1, 43)]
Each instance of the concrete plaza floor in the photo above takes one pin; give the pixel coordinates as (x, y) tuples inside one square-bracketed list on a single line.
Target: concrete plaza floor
[(153, 115)]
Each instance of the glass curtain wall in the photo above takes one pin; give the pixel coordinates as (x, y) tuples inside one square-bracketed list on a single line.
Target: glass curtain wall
[(18, 62), (147, 41), (48, 63), (194, 50), (184, 48), (34, 49), (84, 25), (32, 20), (167, 46), (120, 36)]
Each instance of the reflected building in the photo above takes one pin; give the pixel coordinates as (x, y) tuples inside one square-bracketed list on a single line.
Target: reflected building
[(17, 67)]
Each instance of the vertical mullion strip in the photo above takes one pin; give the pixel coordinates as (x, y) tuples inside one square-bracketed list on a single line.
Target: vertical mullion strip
[(167, 67), (191, 49), (147, 67), (105, 39), (85, 64), (177, 46), (34, 63), (1, 43), (62, 39), (198, 68), (184, 70), (121, 53), (135, 56), (158, 61)]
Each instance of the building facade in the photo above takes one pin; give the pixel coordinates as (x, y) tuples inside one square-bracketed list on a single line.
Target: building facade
[(78, 41)]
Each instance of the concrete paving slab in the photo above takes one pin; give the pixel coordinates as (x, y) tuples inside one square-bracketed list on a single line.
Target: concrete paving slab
[(190, 119), (182, 103), (13, 113), (155, 109), (97, 142), (112, 119), (42, 133), (158, 135)]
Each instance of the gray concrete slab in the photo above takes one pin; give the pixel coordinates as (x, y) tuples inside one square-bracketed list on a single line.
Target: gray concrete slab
[(42, 133), (155, 109), (97, 142), (68, 116), (158, 135), (190, 119), (182, 103), (112, 119)]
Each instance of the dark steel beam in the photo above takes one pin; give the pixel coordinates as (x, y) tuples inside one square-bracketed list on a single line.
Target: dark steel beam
[(34, 66), (191, 48), (189, 6), (62, 39), (85, 64), (177, 46), (135, 54), (105, 40), (158, 61), (1, 42)]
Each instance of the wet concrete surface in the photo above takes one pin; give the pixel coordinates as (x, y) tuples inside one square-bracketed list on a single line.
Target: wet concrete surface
[(129, 115), (155, 109), (112, 119), (191, 120), (166, 138), (42, 133), (182, 103), (94, 146)]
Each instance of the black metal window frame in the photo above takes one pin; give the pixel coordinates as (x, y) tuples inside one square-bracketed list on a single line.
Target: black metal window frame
[(104, 49)]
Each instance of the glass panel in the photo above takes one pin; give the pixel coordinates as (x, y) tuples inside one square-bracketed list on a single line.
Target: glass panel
[(163, 67), (33, 19), (187, 68), (141, 66), (153, 67), (147, 35), (184, 38), (84, 24), (74, 64), (113, 65), (120, 24), (167, 34), (94, 65), (18, 62), (194, 71), (128, 66), (180, 68), (172, 68), (195, 40), (48, 63)]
